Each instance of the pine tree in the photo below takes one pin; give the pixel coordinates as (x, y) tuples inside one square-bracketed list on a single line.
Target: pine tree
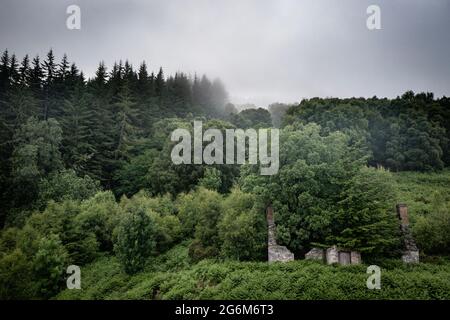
[(145, 100), (160, 84), (99, 81), (205, 92), (219, 96), (180, 95), (126, 118), (64, 67), (19, 102), (196, 91), (24, 72), (152, 85), (14, 70), (102, 138), (77, 123), (5, 137), (36, 76), (144, 83), (49, 68), (115, 78), (4, 72), (129, 75), (49, 72)]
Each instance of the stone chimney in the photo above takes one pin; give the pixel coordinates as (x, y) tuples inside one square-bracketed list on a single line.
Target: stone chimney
[(275, 252), (402, 213), (411, 253)]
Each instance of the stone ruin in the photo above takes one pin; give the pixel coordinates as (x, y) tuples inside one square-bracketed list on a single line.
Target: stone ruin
[(411, 252), (337, 255), (275, 252), (334, 255)]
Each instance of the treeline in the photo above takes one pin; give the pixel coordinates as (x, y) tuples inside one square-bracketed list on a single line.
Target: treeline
[(411, 132), (52, 117), (86, 172)]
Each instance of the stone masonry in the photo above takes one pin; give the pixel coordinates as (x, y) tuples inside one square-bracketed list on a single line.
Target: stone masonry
[(275, 252), (315, 254), (411, 252), (334, 255)]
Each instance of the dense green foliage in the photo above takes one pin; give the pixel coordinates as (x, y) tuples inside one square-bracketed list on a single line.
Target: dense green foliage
[(135, 240), (251, 118), (173, 276), (86, 178), (407, 133), (428, 199), (133, 229), (323, 194), (52, 118)]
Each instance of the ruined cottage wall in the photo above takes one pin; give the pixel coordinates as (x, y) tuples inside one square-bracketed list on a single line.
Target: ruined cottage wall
[(275, 252)]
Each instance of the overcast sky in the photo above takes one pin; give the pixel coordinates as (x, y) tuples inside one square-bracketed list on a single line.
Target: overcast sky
[(263, 50)]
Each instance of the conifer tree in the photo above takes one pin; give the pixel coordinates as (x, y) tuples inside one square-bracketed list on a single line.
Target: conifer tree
[(144, 83), (78, 122), (24, 72), (160, 84), (126, 118), (36, 76), (102, 137), (14, 70), (49, 73), (4, 72)]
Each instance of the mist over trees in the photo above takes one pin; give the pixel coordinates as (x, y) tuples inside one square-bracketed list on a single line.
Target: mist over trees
[(53, 117), (410, 132), (86, 174)]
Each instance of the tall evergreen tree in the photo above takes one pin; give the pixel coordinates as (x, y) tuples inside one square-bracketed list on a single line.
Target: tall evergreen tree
[(126, 118), (25, 72), (4, 72), (36, 76), (78, 122), (14, 70), (160, 84), (102, 139), (49, 67)]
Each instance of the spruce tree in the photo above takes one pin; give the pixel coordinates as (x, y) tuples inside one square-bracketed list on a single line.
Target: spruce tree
[(36, 76), (102, 138), (160, 84), (14, 70), (49, 67), (4, 72), (24, 72), (77, 123), (126, 116)]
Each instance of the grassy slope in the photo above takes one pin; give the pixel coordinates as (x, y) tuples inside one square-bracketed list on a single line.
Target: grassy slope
[(172, 276), (421, 190)]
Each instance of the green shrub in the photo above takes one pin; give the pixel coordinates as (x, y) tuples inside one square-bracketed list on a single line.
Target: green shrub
[(65, 185), (100, 215), (49, 264), (211, 179), (432, 231), (135, 240), (242, 228), (16, 276), (168, 229), (199, 213)]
